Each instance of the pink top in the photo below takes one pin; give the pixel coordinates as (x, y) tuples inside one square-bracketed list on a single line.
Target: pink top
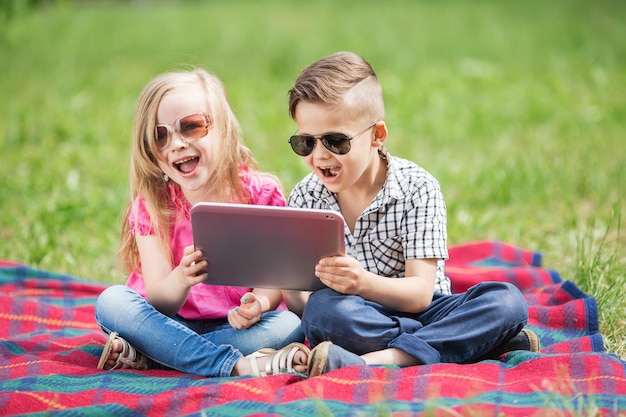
[(204, 301)]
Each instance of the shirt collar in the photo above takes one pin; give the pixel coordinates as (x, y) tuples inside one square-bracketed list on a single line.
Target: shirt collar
[(394, 188)]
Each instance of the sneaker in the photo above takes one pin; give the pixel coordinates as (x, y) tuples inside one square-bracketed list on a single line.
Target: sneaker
[(524, 340)]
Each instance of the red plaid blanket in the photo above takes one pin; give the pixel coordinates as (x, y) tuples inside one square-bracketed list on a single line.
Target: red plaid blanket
[(50, 344)]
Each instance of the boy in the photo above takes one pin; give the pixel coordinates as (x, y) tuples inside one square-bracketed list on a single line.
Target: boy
[(388, 300)]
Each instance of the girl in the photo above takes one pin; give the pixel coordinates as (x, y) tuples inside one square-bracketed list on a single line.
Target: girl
[(187, 148)]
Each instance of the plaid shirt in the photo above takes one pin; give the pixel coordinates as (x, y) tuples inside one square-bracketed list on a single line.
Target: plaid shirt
[(406, 220)]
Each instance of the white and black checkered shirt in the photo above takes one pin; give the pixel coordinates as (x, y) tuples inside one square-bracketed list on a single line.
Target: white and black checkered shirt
[(406, 220)]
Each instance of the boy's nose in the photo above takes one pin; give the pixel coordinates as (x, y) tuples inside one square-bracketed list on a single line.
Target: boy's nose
[(319, 150)]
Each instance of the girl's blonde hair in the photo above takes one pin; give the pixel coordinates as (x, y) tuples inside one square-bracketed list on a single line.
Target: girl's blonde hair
[(146, 178)]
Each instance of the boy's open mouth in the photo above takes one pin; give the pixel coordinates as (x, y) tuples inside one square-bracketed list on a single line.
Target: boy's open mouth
[(330, 172), (187, 165)]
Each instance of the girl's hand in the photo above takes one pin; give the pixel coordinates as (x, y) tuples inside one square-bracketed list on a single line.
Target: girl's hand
[(248, 313), (193, 266)]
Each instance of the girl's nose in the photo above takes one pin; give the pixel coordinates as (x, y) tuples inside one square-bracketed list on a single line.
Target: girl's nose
[(178, 140)]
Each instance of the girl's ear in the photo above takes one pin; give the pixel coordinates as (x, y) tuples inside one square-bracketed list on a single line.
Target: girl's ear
[(380, 134)]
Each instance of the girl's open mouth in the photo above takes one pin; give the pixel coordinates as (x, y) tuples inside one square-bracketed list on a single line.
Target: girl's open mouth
[(187, 165)]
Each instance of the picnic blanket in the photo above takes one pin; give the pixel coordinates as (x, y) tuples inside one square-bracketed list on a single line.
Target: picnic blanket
[(50, 344)]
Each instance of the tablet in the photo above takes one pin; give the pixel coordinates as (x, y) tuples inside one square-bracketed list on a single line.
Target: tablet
[(265, 246)]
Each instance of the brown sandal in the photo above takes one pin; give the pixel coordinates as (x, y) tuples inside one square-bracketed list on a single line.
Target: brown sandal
[(277, 361), (129, 357), (327, 357)]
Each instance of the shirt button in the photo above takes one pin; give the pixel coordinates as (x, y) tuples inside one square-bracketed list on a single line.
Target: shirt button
[(354, 253)]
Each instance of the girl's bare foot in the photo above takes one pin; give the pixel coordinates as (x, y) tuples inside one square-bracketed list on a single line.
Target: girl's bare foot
[(116, 349), (119, 354)]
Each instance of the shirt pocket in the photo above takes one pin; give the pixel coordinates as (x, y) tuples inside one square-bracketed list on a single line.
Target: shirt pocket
[(388, 256)]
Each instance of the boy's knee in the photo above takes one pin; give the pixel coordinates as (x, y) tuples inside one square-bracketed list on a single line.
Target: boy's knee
[(322, 312), (509, 296), (323, 303)]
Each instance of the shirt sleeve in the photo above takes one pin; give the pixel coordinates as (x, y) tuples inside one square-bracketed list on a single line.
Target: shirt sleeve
[(265, 191), (426, 229), (139, 219), (300, 196), (296, 198)]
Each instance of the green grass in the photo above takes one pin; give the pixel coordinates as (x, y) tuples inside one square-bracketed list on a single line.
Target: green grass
[(518, 108)]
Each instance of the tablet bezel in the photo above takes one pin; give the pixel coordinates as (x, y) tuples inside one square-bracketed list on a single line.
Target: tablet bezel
[(265, 246)]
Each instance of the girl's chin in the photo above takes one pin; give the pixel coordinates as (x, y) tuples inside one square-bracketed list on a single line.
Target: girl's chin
[(188, 176)]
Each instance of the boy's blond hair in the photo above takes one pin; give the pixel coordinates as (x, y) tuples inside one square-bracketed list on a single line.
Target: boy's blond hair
[(343, 80), (146, 178)]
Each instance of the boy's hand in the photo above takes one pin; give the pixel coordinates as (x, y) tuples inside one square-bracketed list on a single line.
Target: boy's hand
[(248, 313), (341, 273), (193, 266)]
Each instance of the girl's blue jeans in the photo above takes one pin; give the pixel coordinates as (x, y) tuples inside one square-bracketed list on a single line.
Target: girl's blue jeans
[(202, 347), (459, 328)]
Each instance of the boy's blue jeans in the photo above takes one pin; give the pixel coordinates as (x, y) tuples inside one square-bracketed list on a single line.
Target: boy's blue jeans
[(200, 347), (458, 328)]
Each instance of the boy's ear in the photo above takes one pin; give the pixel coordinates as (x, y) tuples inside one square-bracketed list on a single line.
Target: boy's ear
[(380, 133)]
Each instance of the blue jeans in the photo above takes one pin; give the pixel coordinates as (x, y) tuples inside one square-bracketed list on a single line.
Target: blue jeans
[(207, 348), (458, 328)]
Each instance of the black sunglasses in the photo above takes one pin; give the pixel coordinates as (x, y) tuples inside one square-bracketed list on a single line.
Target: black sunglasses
[(337, 143)]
